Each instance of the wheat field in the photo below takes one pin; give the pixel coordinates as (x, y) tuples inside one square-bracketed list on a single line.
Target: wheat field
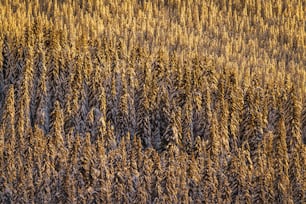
[(153, 101)]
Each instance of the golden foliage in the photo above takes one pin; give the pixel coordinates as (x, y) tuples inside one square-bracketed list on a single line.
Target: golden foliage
[(165, 101)]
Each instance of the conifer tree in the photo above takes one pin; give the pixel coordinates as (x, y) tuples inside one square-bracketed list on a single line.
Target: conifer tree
[(268, 165), (145, 186), (198, 122), (58, 146), (165, 118), (132, 86), (143, 118), (90, 123), (281, 162), (223, 114), (187, 136), (292, 120), (28, 167), (259, 191), (169, 176), (48, 176), (251, 124), (118, 161), (52, 65), (8, 153), (38, 143), (235, 102), (133, 182), (209, 182), (296, 177), (214, 145), (110, 139), (183, 179), (207, 105), (122, 119), (23, 112), (200, 151), (21, 192), (6, 72), (194, 179), (304, 122), (156, 132), (1, 151), (237, 179), (294, 142), (69, 186), (41, 117), (225, 190), (157, 195), (87, 160)]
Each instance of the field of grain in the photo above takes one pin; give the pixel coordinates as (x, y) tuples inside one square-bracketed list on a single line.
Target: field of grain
[(153, 101)]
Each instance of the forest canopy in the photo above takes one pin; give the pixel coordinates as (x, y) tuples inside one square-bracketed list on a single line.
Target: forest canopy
[(142, 101)]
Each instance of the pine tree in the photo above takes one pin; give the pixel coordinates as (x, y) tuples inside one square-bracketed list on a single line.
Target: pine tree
[(292, 120), (111, 99), (294, 142), (281, 162), (143, 118), (170, 191), (2, 154), (58, 146), (145, 186), (48, 176), (90, 123), (28, 168), (296, 177), (187, 136), (8, 153), (235, 104), (110, 139), (38, 143), (86, 161), (209, 182), (6, 72), (194, 176), (119, 164), (165, 118), (198, 116), (122, 120), (69, 185), (238, 179), (207, 109), (225, 190), (21, 193), (304, 122), (156, 132), (157, 195), (267, 151), (259, 194), (222, 116), (41, 113), (23, 112), (251, 125), (214, 145), (132, 182), (52, 65), (74, 161), (247, 176)]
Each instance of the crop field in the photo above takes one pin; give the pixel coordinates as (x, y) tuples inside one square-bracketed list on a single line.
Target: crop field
[(153, 101)]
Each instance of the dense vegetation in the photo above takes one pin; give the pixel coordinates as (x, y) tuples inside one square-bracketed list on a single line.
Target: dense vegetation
[(143, 101)]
